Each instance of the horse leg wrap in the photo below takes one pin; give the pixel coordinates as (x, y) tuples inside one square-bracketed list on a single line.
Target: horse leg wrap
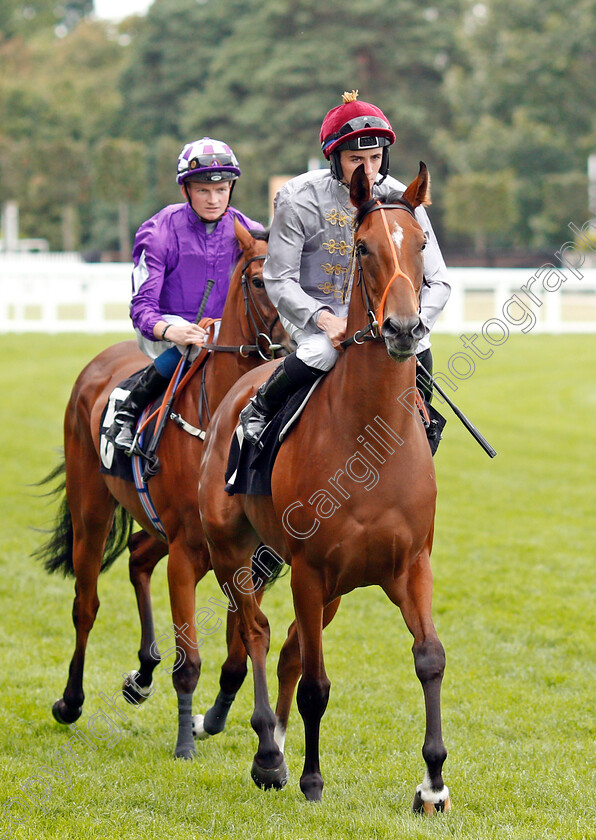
[(215, 717), (185, 745)]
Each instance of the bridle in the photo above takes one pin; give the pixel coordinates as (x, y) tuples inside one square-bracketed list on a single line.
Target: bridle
[(262, 331), (375, 317)]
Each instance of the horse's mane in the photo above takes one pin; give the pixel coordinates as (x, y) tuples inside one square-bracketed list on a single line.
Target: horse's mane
[(261, 235), (393, 197)]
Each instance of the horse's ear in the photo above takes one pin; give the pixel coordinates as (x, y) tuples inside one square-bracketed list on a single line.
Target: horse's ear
[(243, 236), (359, 187), (419, 190)]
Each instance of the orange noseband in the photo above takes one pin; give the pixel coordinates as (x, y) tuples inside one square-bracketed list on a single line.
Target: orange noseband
[(397, 272)]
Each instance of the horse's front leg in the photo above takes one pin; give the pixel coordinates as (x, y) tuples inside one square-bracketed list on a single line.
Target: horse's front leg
[(145, 553), (288, 673), (185, 569), (313, 689), (414, 598)]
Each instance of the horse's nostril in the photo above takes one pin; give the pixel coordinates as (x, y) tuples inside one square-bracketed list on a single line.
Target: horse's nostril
[(413, 328), (390, 327), (419, 330)]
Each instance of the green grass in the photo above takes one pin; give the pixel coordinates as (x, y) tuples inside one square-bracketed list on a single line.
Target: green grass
[(514, 607)]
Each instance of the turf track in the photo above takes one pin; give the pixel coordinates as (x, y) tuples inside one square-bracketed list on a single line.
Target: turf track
[(514, 605)]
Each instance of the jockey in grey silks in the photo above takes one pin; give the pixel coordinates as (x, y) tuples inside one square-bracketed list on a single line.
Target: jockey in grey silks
[(308, 266)]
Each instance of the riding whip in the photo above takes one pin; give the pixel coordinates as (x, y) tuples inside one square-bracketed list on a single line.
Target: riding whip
[(204, 299), (469, 426), (152, 465)]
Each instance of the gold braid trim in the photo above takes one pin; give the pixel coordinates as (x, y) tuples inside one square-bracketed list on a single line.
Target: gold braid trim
[(349, 96)]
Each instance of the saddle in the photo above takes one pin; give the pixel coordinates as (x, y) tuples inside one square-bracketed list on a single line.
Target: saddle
[(250, 467), (144, 462), (114, 461)]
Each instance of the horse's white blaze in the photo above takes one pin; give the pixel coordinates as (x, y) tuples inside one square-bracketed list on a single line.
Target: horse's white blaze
[(280, 736), (397, 235), (427, 794)]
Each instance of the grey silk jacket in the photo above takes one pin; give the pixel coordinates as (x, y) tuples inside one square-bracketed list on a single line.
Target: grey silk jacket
[(310, 246)]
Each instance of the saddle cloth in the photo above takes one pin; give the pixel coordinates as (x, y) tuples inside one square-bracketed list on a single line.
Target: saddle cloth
[(249, 467), (114, 461)]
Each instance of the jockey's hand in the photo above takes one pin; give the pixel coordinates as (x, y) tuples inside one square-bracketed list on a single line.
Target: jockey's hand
[(334, 327), (182, 334)]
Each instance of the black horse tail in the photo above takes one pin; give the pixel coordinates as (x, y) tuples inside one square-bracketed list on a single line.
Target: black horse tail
[(56, 552), (266, 567)]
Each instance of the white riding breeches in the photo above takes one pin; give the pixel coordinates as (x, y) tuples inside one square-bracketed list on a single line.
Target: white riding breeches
[(314, 348)]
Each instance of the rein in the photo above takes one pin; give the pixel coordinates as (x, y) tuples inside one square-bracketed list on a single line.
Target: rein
[(376, 317), (246, 350), (179, 380)]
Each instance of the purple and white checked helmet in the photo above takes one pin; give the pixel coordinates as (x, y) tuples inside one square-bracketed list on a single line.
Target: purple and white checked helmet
[(207, 160)]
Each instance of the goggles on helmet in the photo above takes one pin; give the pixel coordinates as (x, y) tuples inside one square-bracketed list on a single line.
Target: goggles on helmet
[(358, 124), (211, 160)]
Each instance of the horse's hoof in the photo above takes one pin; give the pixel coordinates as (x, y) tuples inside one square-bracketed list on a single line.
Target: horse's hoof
[(134, 693), (442, 805), (185, 753), (312, 787), (267, 779), (198, 730), (64, 713)]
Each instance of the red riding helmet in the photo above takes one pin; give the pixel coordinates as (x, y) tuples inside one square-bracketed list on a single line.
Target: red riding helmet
[(355, 125)]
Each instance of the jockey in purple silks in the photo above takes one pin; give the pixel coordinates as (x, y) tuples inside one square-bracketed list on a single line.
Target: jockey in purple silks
[(308, 257), (175, 254)]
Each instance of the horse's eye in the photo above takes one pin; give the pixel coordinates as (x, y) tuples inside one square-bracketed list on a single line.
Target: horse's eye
[(424, 244), (258, 283), (361, 248)]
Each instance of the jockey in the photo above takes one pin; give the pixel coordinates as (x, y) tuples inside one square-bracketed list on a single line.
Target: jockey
[(309, 252), (175, 253)]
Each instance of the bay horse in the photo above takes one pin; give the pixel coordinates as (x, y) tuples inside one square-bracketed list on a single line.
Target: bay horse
[(353, 494), (95, 520)]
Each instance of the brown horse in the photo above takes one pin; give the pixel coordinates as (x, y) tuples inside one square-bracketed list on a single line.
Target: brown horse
[(353, 494), (95, 521)]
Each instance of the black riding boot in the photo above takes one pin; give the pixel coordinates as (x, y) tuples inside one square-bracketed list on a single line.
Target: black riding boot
[(149, 386), (284, 381)]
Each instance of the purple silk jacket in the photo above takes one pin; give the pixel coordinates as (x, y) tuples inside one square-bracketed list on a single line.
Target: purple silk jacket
[(173, 258)]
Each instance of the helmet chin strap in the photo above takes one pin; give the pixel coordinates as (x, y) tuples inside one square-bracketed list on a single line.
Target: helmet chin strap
[(337, 171)]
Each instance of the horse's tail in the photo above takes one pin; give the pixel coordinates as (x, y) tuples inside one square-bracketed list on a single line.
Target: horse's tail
[(56, 552), (266, 566)]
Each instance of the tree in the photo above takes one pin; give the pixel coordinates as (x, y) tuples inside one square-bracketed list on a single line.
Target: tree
[(166, 190), (23, 18), (172, 56), (264, 78), (564, 200), (57, 97), (61, 180), (120, 177), (522, 96), (482, 205)]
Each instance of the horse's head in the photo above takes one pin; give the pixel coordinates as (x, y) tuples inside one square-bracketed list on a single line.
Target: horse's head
[(388, 245), (262, 317)]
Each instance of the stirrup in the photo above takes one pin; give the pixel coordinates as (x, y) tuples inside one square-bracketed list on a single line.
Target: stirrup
[(129, 446)]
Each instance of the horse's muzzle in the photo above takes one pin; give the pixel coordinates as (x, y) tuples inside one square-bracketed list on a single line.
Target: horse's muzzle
[(402, 336)]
